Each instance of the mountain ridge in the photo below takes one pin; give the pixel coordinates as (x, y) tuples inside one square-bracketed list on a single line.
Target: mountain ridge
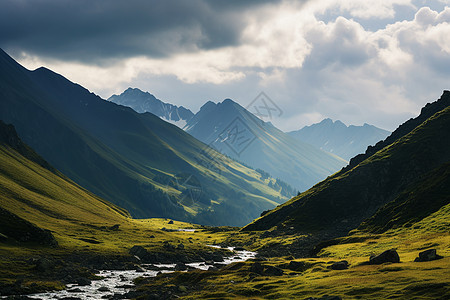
[(234, 131), (340, 139), (143, 102), (125, 157)]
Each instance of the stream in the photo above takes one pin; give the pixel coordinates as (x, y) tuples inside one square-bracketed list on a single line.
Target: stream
[(121, 282)]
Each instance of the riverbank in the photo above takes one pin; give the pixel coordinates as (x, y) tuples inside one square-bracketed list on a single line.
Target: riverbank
[(119, 284)]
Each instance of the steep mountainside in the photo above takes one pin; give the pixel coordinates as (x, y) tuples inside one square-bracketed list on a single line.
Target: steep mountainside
[(340, 139), (134, 160), (232, 130), (145, 102), (32, 192), (401, 183), (427, 111)]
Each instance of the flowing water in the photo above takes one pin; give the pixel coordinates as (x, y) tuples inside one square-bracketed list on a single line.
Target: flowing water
[(120, 282)]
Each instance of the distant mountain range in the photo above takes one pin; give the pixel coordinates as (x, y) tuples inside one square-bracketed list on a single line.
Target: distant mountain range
[(234, 131), (137, 161), (397, 182), (145, 102), (340, 139)]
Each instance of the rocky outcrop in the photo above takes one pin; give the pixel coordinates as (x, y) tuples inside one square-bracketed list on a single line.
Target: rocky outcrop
[(388, 256), (428, 255), (22, 231), (340, 265), (9, 137)]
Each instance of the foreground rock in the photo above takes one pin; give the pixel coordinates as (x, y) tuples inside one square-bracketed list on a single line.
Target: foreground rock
[(385, 257), (22, 231), (340, 265), (428, 255), (177, 254), (260, 269)]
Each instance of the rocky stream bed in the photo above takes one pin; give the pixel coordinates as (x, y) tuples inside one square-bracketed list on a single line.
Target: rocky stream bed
[(115, 284)]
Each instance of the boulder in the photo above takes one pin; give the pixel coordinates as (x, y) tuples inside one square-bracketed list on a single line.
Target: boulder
[(83, 281), (298, 266), (181, 267), (387, 256), (180, 246), (138, 251), (168, 246), (340, 265), (273, 271), (257, 268), (427, 255), (170, 222), (45, 264)]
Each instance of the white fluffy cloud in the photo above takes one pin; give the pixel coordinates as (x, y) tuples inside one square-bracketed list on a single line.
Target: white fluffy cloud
[(362, 9)]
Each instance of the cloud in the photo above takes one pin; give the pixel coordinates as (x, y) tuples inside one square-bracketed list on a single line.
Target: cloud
[(312, 66), (96, 31), (380, 9), (382, 77)]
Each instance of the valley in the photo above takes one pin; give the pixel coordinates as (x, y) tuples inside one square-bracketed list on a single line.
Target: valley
[(90, 189)]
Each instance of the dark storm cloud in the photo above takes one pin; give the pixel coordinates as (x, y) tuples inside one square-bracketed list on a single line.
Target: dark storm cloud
[(92, 30)]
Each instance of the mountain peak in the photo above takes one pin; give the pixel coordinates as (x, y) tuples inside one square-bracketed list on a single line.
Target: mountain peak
[(326, 121), (340, 139), (142, 102), (135, 91), (228, 101), (339, 123), (208, 105)]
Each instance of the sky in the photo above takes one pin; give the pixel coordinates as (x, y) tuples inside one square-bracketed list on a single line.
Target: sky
[(357, 61)]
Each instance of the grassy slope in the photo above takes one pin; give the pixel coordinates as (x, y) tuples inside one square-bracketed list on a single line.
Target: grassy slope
[(344, 200), (416, 218), (404, 280), (53, 202), (78, 219)]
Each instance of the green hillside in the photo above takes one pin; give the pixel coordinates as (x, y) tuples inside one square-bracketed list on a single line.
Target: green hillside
[(395, 199), (128, 158), (410, 170), (44, 216), (302, 278)]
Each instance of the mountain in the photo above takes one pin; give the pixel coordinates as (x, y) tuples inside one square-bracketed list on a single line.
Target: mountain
[(145, 102), (54, 233), (32, 190), (404, 181), (232, 130), (137, 161), (340, 139)]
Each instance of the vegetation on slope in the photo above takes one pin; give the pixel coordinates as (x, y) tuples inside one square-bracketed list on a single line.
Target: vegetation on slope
[(347, 198), (301, 278), (84, 232), (427, 111)]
